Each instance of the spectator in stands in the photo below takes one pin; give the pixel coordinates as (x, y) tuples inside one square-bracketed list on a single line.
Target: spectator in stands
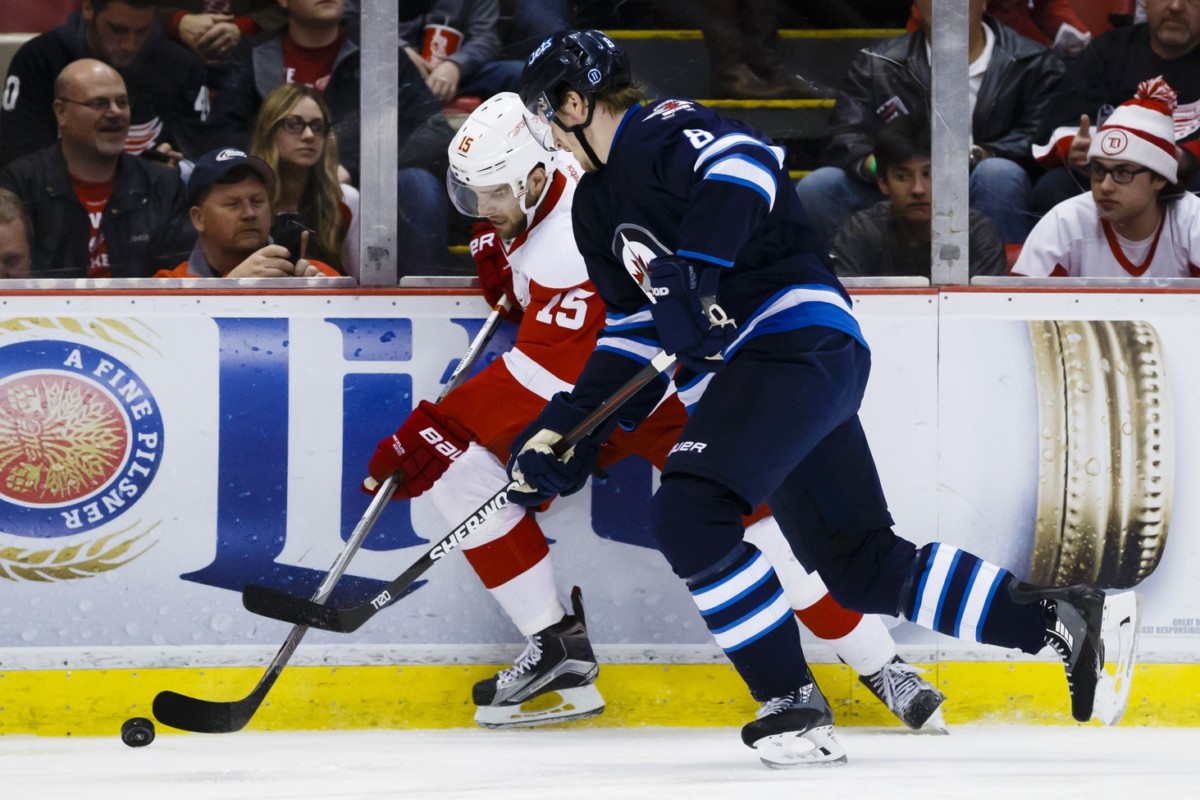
[(532, 22), (742, 41), (294, 136), (1053, 23), (97, 211), (464, 61), (1011, 81), (169, 98), (1135, 222), (318, 50), (213, 28), (231, 212), (14, 237), (1105, 74), (893, 236)]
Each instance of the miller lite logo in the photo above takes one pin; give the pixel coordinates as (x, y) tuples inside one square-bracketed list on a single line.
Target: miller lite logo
[(1113, 142), (81, 440)]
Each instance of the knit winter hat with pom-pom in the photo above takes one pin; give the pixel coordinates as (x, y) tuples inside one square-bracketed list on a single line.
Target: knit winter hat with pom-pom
[(1142, 130)]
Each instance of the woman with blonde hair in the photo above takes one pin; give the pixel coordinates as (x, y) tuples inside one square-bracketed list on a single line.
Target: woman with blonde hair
[(294, 135)]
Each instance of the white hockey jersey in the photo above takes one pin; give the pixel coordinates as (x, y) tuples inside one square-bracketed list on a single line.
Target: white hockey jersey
[(1073, 241), (563, 312)]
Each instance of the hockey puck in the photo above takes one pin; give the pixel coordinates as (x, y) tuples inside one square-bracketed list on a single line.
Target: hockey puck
[(137, 732)]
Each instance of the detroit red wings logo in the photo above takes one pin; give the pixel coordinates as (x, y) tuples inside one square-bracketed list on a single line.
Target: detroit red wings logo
[(1113, 143), (61, 438)]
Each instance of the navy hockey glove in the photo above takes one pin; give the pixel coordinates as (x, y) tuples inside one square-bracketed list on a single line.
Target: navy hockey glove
[(690, 323), (542, 474)]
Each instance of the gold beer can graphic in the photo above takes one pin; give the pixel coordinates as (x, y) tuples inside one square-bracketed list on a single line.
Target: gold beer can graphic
[(1105, 452)]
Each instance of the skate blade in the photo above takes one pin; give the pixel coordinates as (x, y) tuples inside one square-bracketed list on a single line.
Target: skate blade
[(935, 725), (1120, 628), (812, 748), (565, 705)]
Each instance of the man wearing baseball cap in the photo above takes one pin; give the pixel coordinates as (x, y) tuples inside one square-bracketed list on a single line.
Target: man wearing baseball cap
[(231, 212), (1136, 221)]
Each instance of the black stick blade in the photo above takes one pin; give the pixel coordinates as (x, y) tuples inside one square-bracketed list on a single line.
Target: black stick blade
[(268, 602), (204, 716)]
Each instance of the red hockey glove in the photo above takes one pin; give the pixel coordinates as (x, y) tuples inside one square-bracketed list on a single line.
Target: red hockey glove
[(495, 274), (421, 450)]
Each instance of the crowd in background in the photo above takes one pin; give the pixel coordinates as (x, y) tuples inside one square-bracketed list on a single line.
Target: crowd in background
[(221, 137)]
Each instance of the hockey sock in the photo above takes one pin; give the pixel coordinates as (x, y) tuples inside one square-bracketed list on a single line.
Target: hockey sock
[(865, 644), (519, 574), (745, 609), (960, 594)]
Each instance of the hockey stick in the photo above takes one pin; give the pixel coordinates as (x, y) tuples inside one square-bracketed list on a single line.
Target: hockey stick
[(286, 607), (214, 716)]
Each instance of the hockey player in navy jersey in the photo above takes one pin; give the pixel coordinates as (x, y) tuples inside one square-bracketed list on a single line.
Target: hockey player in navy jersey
[(697, 244)]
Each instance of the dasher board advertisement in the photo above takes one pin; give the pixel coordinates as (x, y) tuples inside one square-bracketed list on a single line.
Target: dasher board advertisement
[(158, 453)]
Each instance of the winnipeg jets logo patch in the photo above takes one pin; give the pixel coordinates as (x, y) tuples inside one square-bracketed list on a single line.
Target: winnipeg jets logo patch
[(669, 108), (635, 247)]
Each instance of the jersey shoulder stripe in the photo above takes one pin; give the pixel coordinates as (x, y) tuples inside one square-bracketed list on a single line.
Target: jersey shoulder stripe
[(743, 171)]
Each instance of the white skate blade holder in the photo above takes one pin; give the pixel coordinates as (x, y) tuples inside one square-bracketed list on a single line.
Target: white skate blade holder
[(1119, 629), (935, 725), (563, 705), (812, 748)]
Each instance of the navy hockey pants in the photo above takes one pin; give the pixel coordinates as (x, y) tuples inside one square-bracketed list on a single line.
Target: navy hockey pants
[(780, 423)]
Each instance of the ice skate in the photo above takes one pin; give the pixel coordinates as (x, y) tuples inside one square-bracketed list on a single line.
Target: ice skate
[(914, 700), (552, 681), (795, 730), (1079, 619)]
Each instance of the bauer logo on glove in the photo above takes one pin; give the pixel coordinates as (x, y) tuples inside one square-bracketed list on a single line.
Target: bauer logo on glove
[(420, 451)]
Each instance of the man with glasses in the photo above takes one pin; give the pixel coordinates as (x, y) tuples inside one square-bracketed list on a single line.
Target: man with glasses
[(169, 109), (96, 211), (1136, 222)]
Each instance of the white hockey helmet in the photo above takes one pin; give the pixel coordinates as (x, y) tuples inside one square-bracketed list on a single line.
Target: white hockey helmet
[(492, 155)]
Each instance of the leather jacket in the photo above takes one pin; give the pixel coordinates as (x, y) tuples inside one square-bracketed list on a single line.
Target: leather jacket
[(895, 77), (145, 223)]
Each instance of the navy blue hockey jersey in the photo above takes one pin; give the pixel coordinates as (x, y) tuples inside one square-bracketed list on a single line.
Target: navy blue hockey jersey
[(682, 180)]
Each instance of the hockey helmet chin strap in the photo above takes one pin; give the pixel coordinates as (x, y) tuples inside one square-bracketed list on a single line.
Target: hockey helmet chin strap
[(579, 129)]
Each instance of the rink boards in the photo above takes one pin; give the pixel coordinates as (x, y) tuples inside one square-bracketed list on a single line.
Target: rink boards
[(158, 451)]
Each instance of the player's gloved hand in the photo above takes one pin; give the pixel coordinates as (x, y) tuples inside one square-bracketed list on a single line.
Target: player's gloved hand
[(421, 450), (495, 273), (542, 474), (690, 323)]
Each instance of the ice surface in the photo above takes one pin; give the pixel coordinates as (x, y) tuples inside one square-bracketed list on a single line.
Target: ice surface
[(1014, 763)]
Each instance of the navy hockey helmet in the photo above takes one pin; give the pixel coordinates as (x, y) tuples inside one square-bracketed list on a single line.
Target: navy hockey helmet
[(586, 61)]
